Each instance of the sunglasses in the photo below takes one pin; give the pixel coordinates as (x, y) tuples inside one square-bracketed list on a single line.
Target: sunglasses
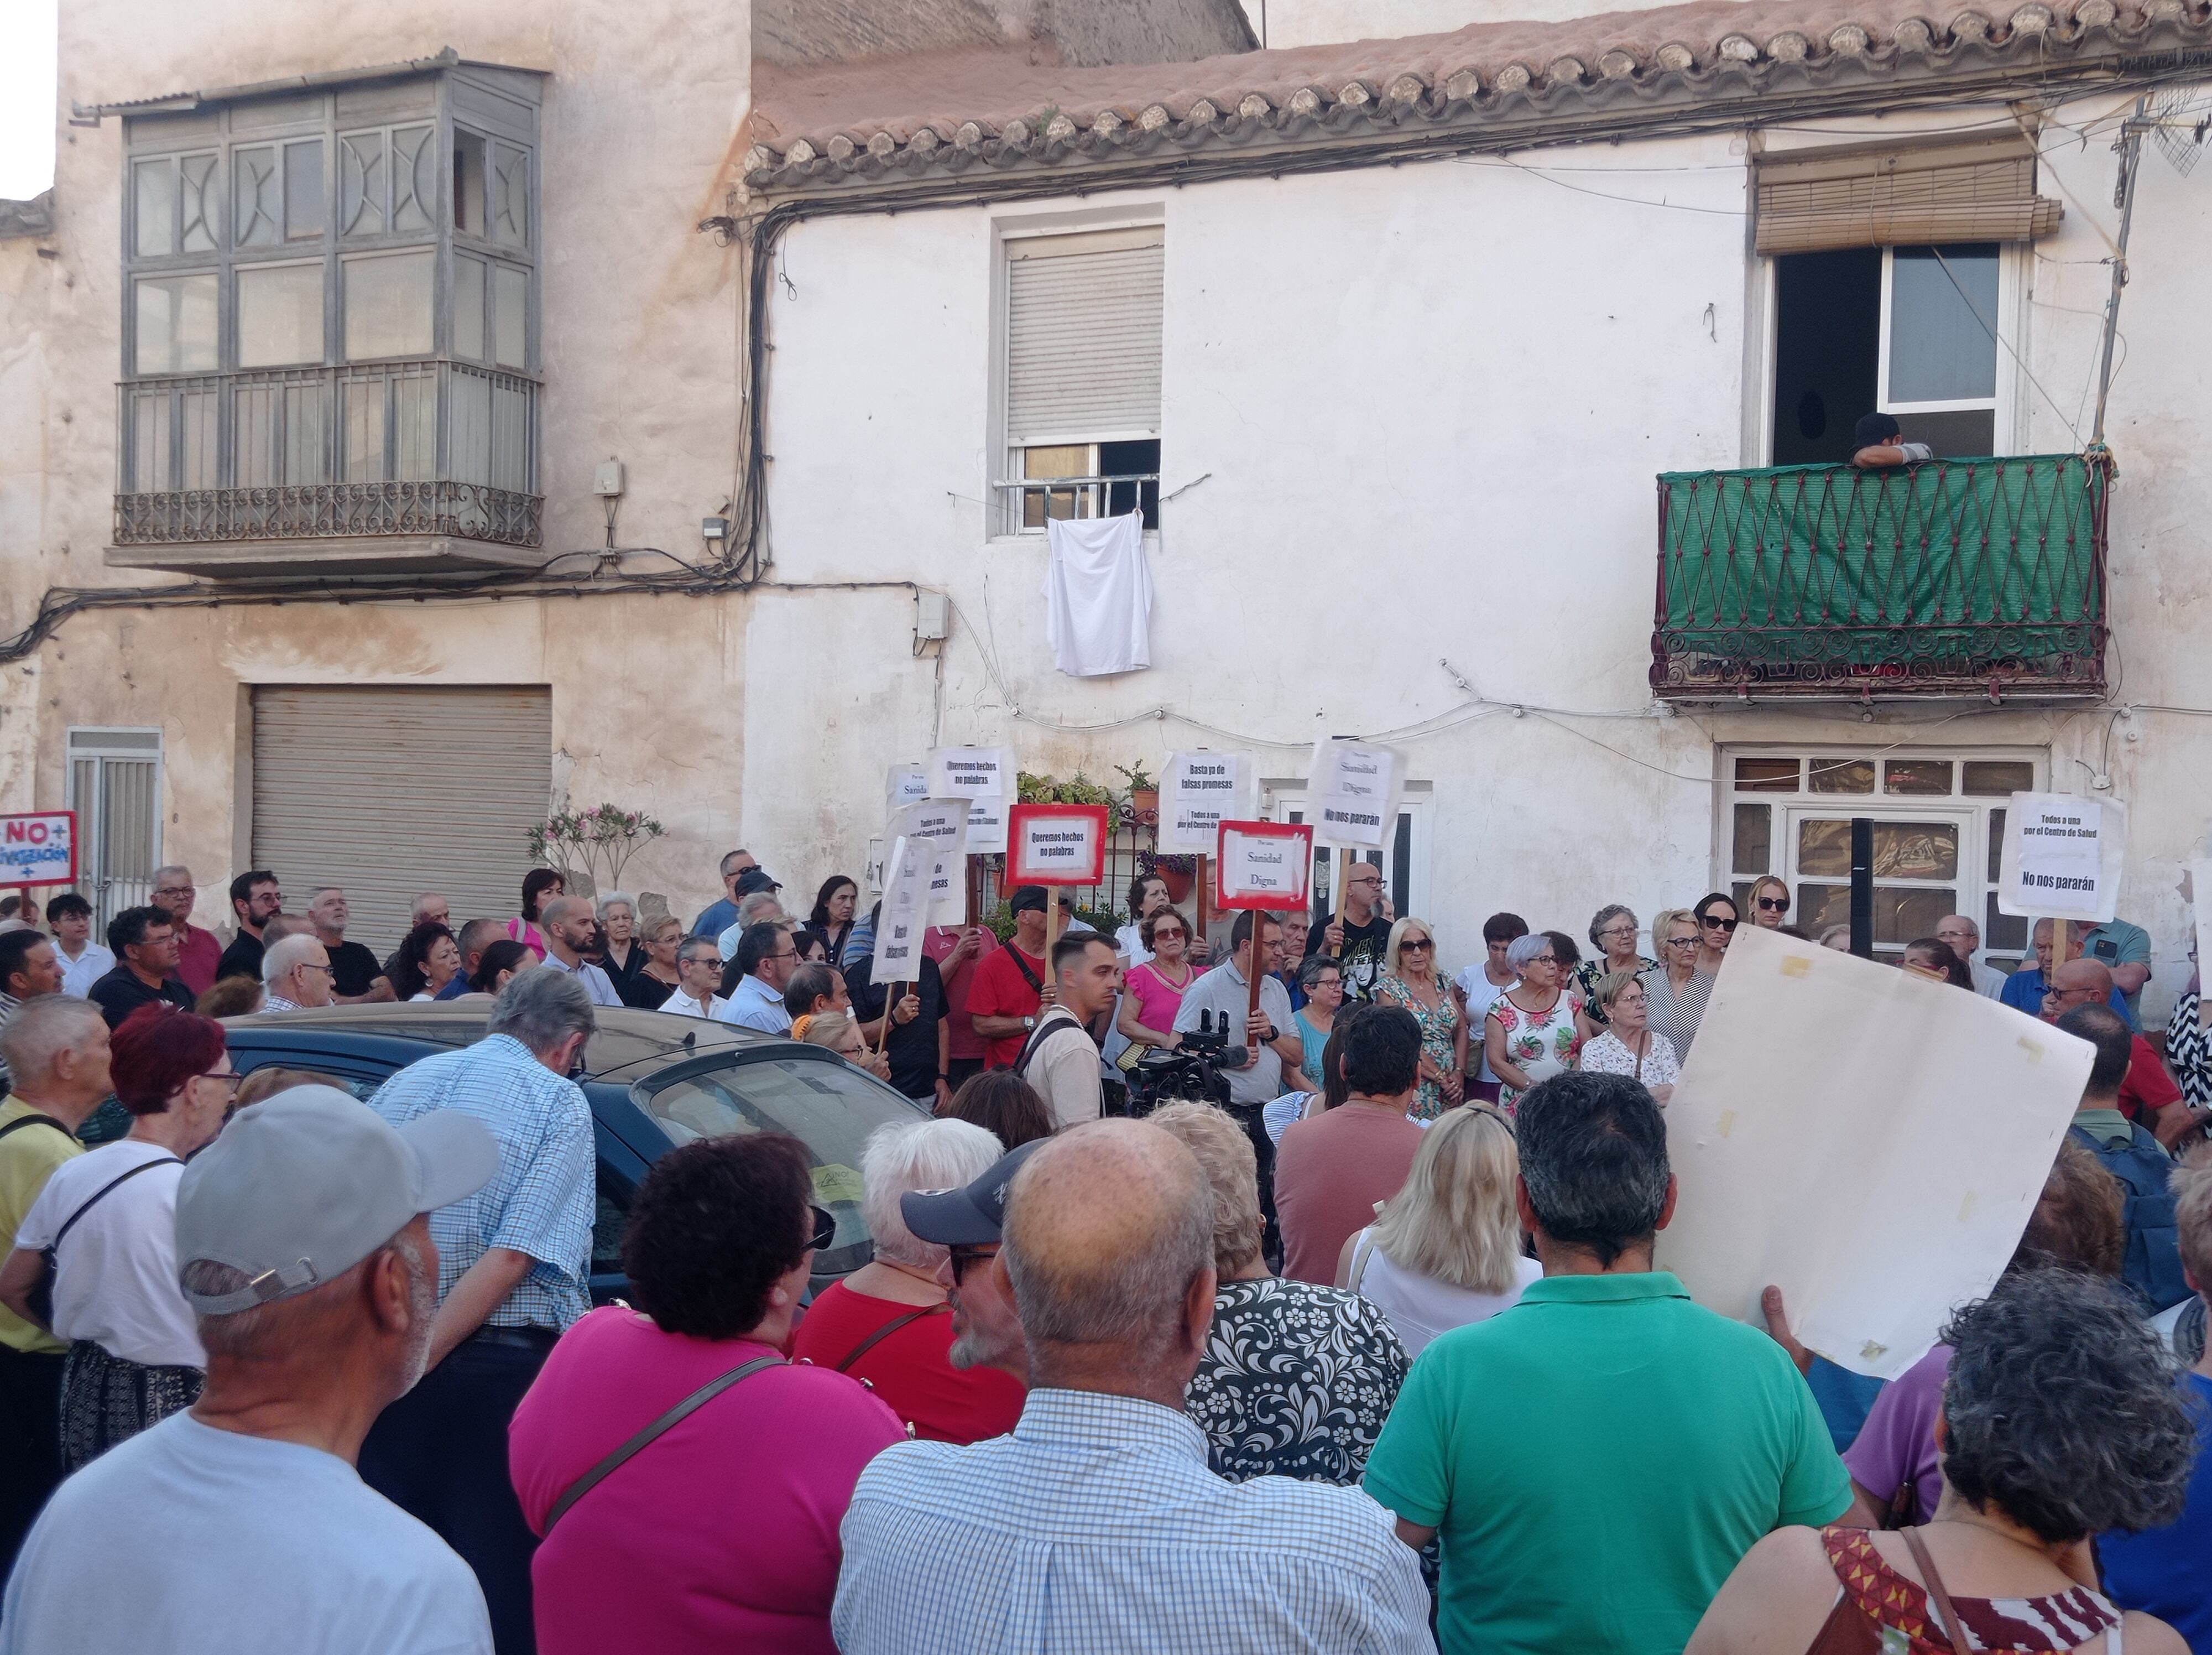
[(1774, 904), (1718, 925), (962, 1257), (1162, 932), (825, 1229), (1416, 942)]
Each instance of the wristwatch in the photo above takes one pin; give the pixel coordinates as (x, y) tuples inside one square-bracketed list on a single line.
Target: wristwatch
[(1029, 1023)]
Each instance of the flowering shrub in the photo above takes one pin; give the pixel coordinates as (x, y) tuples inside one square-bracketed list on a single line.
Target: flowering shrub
[(595, 843)]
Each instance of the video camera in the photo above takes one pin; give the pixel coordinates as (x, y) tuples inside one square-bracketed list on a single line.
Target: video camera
[(1192, 1070)]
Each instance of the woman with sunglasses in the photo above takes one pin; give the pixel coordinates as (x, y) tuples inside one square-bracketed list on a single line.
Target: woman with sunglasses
[(1410, 978), (720, 1247), (1151, 993), (1770, 903), (1530, 1031), (1717, 918), (1679, 988), (135, 1356)]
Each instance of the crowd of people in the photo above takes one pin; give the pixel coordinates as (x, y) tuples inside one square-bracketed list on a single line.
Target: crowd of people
[(1362, 1348)]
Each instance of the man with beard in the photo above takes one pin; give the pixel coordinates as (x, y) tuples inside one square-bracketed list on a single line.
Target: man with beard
[(986, 1331), (572, 938), (304, 1243), (255, 899), (1358, 939)]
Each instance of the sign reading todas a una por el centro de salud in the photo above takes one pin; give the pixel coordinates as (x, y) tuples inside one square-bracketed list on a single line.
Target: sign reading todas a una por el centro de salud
[(2062, 857)]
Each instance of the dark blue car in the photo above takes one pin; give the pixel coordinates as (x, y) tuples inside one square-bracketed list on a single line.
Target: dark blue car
[(654, 1081)]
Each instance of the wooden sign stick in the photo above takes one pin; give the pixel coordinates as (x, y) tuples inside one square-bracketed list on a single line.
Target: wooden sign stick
[(884, 1035), (1252, 970), (1343, 882)]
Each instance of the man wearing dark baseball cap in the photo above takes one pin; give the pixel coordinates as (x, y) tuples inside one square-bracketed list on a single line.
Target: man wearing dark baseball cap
[(304, 1248), (1012, 987), (986, 1332)]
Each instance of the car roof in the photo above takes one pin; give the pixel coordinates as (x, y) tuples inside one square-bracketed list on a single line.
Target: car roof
[(624, 1038)]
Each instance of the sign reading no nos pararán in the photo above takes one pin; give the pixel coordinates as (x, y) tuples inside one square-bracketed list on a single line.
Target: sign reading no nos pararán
[(2062, 857)]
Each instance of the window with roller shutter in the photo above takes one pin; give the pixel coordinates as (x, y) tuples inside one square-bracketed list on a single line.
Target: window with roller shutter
[(392, 792)]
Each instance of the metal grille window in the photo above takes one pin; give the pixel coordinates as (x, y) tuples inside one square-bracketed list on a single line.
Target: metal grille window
[(333, 296), (1939, 828), (1083, 375), (114, 786)]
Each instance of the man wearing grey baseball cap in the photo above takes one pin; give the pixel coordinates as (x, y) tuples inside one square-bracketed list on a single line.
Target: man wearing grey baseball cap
[(304, 1248)]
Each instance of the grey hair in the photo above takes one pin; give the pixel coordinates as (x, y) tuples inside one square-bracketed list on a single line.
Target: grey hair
[(415, 909), (757, 904), (315, 891), (1603, 917), (901, 1156), (611, 898), (2061, 1410), (1134, 1298), (1225, 1155), (1523, 949), (170, 867), (1310, 973), (282, 956), (262, 1331), (542, 1009), (42, 1027)]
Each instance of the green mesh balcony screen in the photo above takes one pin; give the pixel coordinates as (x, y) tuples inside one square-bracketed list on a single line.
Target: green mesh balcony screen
[(1959, 574)]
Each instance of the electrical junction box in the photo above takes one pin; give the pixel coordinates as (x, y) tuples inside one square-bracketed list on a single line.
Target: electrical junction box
[(933, 616), (607, 480)]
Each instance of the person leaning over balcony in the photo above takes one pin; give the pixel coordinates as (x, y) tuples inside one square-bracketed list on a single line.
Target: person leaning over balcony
[(1879, 447)]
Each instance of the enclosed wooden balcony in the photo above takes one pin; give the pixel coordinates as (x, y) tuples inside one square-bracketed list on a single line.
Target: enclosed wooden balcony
[(1980, 578)]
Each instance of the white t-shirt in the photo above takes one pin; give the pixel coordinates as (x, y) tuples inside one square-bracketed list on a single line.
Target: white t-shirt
[(238, 1546), (680, 1004), (1065, 1069), (1420, 1307), (115, 1278), (79, 975), (1481, 994)]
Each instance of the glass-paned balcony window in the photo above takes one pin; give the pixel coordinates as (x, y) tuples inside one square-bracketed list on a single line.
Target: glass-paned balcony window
[(332, 295)]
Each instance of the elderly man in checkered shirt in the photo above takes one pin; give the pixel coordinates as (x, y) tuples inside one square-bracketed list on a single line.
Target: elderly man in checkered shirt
[(512, 1264), (1097, 1527)]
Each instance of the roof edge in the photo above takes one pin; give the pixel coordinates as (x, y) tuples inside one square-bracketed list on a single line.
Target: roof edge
[(177, 103)]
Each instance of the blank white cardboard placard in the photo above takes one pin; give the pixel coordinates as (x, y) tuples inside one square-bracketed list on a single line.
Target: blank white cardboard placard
[(1353, 792), (2062, 857), (1199, 791), (938, 827), (2200, 887), (1869, 1142), (971, 772)]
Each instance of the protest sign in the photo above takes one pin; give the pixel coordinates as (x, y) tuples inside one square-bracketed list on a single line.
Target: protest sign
[(905, 913), (1264, 865), (1056, 844), (39, 848), (2062, 857), (971, 772), (938, 827), (906, 784), (1867, 1141), (1352, 795), (986, 826), (1199, 792), (2200, 880)]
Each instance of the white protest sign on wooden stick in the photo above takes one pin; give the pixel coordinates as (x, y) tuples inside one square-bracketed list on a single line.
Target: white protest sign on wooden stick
[(904, 915), (939, 828), (1352, 795), (1870, 1142), (1199, 791), (2061, 861)]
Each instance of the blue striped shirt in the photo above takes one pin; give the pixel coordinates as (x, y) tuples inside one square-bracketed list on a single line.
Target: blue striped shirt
[(1097, 1527), (540, 1203)]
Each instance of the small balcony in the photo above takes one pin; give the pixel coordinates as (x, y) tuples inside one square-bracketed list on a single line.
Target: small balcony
[(1981, 578), (415, 467)]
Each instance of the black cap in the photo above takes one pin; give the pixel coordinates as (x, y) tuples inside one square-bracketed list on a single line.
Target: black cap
[(1027, 898), (1877, 427), (756, 878), (968, 1217)]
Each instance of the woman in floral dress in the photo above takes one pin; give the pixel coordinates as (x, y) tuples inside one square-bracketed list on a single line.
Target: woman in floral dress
[(1529, 1031), (1410, 979)]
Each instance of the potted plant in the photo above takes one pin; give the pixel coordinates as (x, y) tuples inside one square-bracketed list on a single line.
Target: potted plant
[(1144, 794), (1048, 790), (1176, 872)]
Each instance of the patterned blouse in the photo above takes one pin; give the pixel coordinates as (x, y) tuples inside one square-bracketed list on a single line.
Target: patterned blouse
[(1608, 1054), (1678, 1018), (1541, 1044), (1440, 1024), (1586, 981), (2188, 1050), (1883, 1612), (1296, 1381)]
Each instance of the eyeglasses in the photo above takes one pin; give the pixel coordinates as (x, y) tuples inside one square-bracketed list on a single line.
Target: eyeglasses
[(312, 965), (230, 1082), (1543, 959), (962, 1257), (1373, 879), (1710, 923), (825, 1229), (703, 959), (1774, 904), (1682, 942), (1618, 931), (172, 890), (1162, 932)]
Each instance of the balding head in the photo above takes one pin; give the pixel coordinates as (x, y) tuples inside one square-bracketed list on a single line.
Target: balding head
[(2079, 983), (1108, 1243), (298, 969)]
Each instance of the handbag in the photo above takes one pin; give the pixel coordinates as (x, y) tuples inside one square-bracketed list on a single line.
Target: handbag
[(683, 1410), (40, 1299)]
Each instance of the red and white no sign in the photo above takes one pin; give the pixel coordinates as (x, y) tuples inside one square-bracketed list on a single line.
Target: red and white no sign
[(39, 848), (1056, 844), (1264, 865)]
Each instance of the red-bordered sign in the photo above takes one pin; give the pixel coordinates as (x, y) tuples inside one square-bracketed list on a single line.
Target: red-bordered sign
[(1268, 865), (38, 848), (1056, 844)]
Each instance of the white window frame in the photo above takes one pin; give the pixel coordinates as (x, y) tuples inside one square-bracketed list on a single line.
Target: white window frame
[(82, 742), (2006, 327)]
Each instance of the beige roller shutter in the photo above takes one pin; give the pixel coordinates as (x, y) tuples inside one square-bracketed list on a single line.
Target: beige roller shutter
[(391, 792), (1083, 335), (1860, 196)]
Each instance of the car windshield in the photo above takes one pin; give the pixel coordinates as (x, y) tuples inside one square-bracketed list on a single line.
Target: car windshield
[(828, 1106)]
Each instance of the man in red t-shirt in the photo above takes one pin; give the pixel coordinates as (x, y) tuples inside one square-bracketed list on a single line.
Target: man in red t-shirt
[(2149, 1096), (1010, 987), (958, 950)]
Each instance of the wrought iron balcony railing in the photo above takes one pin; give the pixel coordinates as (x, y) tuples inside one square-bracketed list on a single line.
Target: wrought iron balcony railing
[(1981, 577), (432, 448)]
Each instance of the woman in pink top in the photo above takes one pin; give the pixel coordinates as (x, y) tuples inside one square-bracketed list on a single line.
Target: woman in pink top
[(721, 1533), (1152, 993), (539, 887)]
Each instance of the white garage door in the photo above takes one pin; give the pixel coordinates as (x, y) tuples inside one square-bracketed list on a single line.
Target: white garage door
[(393, 792)]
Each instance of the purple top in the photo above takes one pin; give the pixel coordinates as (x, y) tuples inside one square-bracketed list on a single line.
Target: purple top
[(1899, 1439)]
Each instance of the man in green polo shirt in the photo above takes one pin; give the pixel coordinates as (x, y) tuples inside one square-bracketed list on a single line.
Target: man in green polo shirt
[(1599, 1456)]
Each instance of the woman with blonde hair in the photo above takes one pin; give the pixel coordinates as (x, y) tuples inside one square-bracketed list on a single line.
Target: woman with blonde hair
[(1679, 988), (1410, 978), (1446, 1249), (1769, 899), (838, 1031)]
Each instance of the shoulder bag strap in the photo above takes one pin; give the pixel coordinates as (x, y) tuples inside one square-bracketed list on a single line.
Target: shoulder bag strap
[(1023, 966), (1359, 1262), (674, 1416), (1946, 1616), (886, 1330), (106, 1191), (36, 1120)]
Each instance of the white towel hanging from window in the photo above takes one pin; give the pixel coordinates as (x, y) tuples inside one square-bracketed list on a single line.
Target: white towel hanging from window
[(1098, 595)]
